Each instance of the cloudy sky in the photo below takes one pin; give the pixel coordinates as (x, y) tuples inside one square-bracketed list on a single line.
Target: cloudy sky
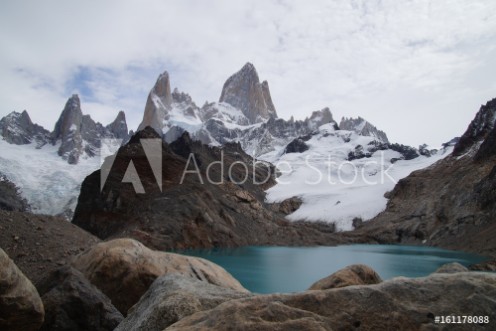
[(417, 69)]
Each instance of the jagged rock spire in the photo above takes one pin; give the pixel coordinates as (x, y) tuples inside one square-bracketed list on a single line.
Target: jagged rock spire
[(158, 104), (244, 91), (119, 126)]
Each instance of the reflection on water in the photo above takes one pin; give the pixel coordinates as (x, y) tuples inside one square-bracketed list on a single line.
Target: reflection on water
[(291, 269)]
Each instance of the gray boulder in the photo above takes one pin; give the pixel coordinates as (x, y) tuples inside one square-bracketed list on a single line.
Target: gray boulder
[(356, 274), (73, 304), (397, 304), (171, 298)]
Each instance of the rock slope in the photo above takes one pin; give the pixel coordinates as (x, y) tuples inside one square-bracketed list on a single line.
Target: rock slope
[(450, 204)]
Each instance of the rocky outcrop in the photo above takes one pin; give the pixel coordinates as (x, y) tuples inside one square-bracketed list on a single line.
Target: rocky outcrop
[(451, 204), (198, 204), (124, 269), (73, 304), (20, 304), (244, 91), (478, 129), (397, 304), (298, 145), (173, 297), (10, 198), (363, 128), (356, 274), (451, 268), (17, 128)]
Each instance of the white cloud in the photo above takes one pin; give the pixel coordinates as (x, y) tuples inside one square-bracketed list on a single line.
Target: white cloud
[(416, 69)]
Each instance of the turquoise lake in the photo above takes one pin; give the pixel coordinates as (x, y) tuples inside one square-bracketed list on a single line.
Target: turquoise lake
[(292, 269)]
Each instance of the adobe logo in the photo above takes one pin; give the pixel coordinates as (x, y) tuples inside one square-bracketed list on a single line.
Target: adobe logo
[(153, 152)]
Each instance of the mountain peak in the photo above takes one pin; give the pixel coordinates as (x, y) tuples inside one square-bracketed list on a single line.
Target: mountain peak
[(363, 128), (119, 126), (158, 104), (244, 91), (17, 128), (162, 88)]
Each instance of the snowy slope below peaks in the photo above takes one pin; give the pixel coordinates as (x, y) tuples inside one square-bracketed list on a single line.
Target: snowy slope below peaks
[(49, 184), (336, 190)]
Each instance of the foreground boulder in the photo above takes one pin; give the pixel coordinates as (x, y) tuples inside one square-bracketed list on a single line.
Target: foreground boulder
[(20, 305), (397, 304), (73, 304), (356, 274), (124, 269), (173, 297), (451, 268)]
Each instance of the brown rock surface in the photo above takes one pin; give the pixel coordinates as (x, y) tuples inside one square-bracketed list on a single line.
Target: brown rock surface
[(39, 244), (20, 304), (356, 274), (124, 269)]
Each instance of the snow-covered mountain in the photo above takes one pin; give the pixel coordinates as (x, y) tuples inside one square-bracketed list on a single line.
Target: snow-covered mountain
[(48, 167), (333, 184), (244, 114)]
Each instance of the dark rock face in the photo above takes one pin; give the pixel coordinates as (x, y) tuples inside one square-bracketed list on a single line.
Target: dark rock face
[(478, 129), (20, 305), (244, 91), (73, 304), (17, 128), (397, 304), (363, 128), (408, 152), (68, 130), (190, 210), (173, 297), (10, 199), (296, 146), (356, 274), (450, 204)]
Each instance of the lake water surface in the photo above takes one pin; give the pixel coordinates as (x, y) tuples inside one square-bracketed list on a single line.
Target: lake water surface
[(292, 269)]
